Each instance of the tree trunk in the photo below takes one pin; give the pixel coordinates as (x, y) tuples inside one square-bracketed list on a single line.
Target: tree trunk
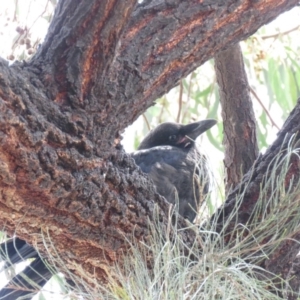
[(103, 63), (239, 123)]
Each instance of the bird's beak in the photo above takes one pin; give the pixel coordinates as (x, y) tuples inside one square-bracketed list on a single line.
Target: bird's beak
[(193, 130)]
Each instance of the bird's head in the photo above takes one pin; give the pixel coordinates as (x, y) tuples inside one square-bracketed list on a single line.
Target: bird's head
[(174, 134)]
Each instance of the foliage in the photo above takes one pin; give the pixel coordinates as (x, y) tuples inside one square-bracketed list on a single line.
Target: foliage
[(23, 27), (273, 67), (221, 268)]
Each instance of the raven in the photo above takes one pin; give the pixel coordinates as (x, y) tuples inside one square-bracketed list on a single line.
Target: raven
[(168, 154)]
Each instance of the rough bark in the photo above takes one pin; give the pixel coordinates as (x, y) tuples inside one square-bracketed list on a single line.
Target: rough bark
[(294, 278), (102, 64), (282, 258), (240, 140)]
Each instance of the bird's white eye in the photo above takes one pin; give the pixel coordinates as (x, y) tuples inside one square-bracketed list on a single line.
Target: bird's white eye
[(173, 138)]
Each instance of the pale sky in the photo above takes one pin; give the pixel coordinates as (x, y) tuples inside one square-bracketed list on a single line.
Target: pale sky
[(29, 15)]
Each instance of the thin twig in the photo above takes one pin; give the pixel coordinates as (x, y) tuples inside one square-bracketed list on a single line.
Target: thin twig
[(147, 123), (264, 108), (275, 35), (188, 96), (189, 88), (15, 13), (211, 90), (45, 9), (179, 101), (162, 109), (26, 30)]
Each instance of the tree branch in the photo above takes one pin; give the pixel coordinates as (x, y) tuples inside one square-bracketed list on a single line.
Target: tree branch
[(81, 65), (62, 168), (240, 138)]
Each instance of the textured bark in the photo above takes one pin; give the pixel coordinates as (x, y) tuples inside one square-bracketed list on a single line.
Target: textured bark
[(294, 278), (284, 261), (102, 64), (239, 123), (282, 258)]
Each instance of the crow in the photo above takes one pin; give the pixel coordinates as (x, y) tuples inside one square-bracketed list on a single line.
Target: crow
[(27, 283), (170, 157)]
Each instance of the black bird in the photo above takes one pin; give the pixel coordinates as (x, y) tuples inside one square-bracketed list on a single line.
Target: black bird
[(14, 251), (170, 157)]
